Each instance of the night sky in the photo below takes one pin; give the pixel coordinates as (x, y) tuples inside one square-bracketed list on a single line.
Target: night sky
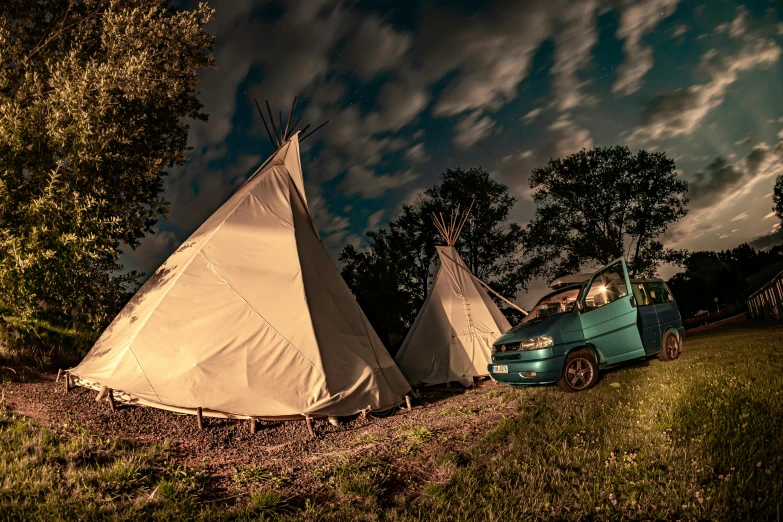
[(412, 88)]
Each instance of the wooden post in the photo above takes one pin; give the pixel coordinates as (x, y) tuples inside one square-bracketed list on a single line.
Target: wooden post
[(310, 426), (253, 426), (110, 398), (101, 394), (59, 373), (200, 418), (408, 402)]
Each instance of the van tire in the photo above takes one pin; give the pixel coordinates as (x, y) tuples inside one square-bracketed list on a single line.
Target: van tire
[(581, 361), (671, 347)]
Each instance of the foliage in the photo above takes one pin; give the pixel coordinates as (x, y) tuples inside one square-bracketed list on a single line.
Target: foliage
[(598, 205), (92, 99), (392, 277), (777, 197), (728, 275)]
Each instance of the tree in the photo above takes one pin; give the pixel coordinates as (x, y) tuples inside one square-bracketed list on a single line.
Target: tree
[(92, 99), (777, 197), (598, 205), (392, 277)]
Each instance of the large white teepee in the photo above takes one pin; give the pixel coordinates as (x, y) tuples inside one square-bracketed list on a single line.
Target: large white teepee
[(451, 337), (249, 318)]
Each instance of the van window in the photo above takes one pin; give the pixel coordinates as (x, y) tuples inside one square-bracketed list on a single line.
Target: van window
[(607, 286), (640, 294), (658, 293)]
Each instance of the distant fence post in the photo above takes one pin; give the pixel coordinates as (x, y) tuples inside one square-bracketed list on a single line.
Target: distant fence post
[(767, 302)]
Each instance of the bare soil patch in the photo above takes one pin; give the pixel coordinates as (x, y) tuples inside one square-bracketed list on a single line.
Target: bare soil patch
[(408, 444)]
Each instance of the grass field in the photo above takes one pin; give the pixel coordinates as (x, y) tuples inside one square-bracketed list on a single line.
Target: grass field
[(699, 438)]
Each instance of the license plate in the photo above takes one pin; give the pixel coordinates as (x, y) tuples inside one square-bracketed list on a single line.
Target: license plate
[(500, 368)]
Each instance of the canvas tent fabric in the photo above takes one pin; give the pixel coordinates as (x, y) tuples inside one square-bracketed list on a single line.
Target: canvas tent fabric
[(451, 337), (248, 318)]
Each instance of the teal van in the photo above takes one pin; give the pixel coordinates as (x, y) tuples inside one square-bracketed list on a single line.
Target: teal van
[(589, 323)]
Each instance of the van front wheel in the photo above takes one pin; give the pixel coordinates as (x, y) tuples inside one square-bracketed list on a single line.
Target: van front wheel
[(670, 348), (580, 371)]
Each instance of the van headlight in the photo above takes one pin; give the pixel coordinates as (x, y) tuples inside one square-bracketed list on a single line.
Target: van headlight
[(536, 343)]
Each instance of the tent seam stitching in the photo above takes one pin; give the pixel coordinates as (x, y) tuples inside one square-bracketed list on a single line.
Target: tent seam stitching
[(174, 282), (261, 316)]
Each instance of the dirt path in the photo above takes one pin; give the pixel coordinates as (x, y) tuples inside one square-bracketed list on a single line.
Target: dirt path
[(443, 420)]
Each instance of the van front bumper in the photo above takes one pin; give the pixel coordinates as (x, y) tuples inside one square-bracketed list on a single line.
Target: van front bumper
[(546, 371)]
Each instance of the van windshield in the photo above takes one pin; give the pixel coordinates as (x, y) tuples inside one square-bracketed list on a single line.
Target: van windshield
[(554, 304)]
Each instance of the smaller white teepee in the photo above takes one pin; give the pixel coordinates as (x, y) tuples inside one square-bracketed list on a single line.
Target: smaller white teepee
[(451, 337)]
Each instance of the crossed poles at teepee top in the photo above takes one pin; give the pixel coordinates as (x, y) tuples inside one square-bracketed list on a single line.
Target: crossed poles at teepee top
[(452, 230), (287, 132)]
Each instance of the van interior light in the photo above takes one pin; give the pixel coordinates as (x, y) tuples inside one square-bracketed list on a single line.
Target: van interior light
[(602, 288)]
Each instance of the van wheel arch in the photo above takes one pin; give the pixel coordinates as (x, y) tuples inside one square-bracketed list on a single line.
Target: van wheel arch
[(599, 357)]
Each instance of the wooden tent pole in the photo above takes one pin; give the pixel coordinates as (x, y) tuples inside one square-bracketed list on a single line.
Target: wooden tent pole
[(200, 418), (486, 285), (110, 398), (288, 121), (408, 402), (315, 129), (252, 426), (291, 130), (272, 119), (309, 422), (280, 120), (274, 146)]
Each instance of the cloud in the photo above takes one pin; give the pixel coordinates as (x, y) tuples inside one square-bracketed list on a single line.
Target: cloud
[(472, 129), (372, 48), (723, 189), (151, 253), (531, 116), (367, 184), (680, 112), (744, 141), (728, 234), (491, 52), (638, 19), (374, 220), (417, 154), (573, 44), (769, 240), (679, 30), (565, 137), (736, 27)]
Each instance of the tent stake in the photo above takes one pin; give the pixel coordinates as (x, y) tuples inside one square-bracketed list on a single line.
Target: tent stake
[(110, 398), (59, 373), (408, 402), (67, 382), (310, 426), (102, 394), (253, 426), (200, 419)]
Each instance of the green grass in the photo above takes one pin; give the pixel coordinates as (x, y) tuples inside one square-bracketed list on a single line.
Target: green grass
[(699, 438)]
